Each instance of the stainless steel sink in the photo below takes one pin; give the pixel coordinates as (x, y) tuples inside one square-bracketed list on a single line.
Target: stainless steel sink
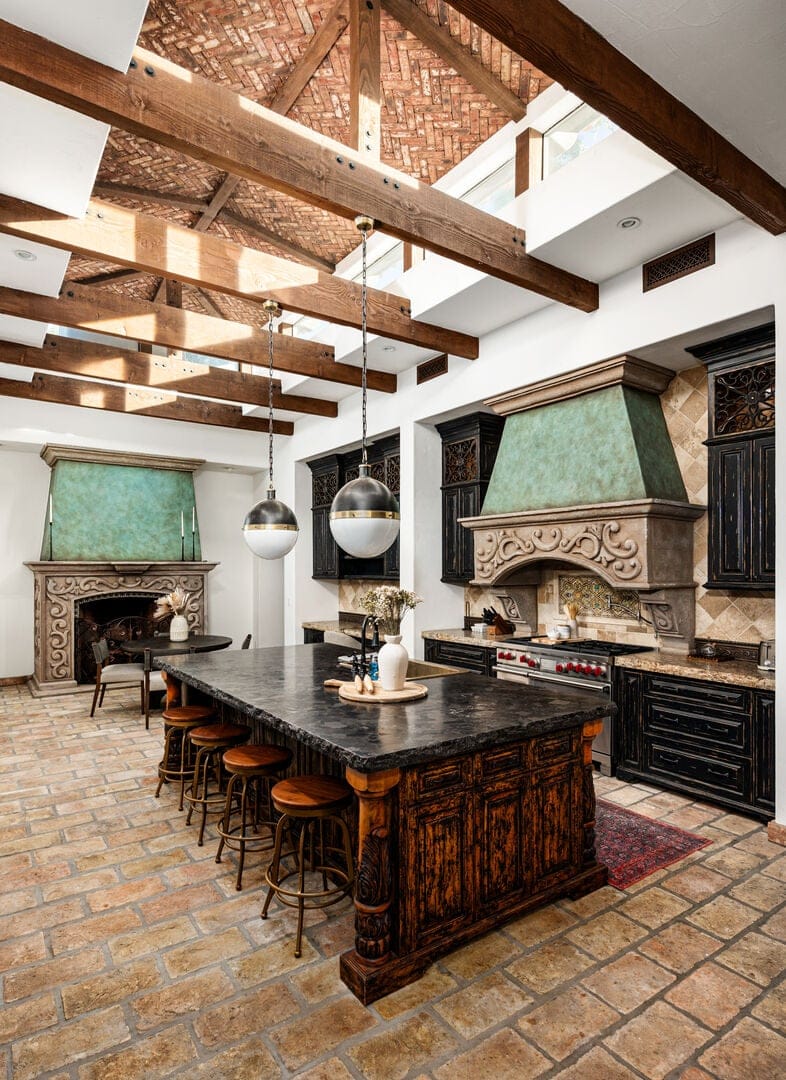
[(425, 669)]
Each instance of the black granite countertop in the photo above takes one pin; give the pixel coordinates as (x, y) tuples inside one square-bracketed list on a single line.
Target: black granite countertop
[(283, 689)]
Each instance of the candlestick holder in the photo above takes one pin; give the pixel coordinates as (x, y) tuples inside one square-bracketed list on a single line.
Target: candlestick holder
[(193, 547), (50, 542), (182, 549)]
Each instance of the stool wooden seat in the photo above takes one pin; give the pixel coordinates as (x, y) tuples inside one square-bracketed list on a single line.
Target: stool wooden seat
[(310, 801), (210, 741), (178, 761), (251, 767)]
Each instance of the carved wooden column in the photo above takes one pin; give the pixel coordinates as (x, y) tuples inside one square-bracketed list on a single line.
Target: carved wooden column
[(375, 891), (588, 733)]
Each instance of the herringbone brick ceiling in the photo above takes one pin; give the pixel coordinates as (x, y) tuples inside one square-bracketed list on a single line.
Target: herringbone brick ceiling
[(431, 118)]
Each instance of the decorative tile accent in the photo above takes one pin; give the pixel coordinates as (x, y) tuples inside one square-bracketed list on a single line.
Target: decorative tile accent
[(595, 597)]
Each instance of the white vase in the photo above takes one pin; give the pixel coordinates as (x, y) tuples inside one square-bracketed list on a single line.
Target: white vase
[(178, 628), (393, 660)]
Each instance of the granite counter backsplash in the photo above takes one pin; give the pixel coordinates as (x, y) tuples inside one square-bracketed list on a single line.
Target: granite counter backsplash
[(464, 637)]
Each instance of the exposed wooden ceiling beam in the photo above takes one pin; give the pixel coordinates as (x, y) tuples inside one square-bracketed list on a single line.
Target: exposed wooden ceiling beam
[(131, 400), (201, 119), (439, 40), (108, 276), (147, 243), (156, 324), (222, 196), (112, 189), (300, 254), (68, 356), (330, 30), (364, 78), (569, 50)]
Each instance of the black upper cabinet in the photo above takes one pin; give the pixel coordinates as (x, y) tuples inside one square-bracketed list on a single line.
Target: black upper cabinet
[(741, 459), (330, 473), (469, 449)]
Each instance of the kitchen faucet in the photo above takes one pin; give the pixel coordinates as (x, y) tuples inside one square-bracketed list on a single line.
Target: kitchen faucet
[(374, 640)]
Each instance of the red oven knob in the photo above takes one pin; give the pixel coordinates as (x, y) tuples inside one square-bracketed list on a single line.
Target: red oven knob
[(597, 670), (588, 669), (569, 666), (522, 659), (559, 668)]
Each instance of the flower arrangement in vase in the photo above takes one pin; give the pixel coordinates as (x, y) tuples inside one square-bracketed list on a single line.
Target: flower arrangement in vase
[(174, 604), (389, 604)]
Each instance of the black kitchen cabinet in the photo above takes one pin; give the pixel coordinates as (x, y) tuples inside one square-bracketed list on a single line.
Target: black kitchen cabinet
[(461, 654), (741, 459), (469, 449), (712, 741), (325, 482), (328, 475)]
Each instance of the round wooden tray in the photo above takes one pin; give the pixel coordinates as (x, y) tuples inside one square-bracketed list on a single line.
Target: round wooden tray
[(411, 692)]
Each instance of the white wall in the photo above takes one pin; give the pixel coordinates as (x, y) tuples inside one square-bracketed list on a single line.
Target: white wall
[(223, 499), (24, 482)]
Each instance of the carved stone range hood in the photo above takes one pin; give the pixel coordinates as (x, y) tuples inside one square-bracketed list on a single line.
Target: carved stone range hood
[(586, 475)]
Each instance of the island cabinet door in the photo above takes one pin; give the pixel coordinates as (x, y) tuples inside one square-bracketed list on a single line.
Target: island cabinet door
[(504, 871), (437, 881), (555, 824)]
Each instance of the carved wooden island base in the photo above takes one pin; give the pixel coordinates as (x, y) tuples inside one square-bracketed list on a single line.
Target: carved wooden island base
[(450, 849), (475, 805)]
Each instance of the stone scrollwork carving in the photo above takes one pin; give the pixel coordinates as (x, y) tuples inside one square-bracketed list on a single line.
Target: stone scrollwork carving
[(57, 594), (594, 543)]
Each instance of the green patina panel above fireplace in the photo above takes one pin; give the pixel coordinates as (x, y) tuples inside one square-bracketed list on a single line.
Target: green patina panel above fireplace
[(122, 513)]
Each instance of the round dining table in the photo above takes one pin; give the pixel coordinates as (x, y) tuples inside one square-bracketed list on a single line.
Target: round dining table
[(160, 645)]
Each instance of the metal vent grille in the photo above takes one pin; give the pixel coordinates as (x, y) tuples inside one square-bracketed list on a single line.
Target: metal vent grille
[(676, 264), (431, 369)]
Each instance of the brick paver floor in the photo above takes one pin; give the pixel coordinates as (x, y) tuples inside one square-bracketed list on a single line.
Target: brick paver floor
[(125, 951)]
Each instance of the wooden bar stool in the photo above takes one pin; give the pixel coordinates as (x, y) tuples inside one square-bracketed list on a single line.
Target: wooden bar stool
[(252, 767), (177, 763), (306, 801), (210, 742)]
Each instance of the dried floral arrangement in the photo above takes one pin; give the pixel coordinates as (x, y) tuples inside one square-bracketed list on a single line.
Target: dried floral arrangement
[(389, 604), (173, 603)]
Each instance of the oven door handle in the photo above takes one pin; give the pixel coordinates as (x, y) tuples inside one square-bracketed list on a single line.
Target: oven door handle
[(598, 688)]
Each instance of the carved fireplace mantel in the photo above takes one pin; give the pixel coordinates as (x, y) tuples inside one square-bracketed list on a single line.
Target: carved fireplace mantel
[(59, 586)]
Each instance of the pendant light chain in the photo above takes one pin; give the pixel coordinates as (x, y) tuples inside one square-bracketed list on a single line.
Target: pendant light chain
[(363, 330), (270, 484)]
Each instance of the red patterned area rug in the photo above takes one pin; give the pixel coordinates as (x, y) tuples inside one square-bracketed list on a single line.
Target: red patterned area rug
[(634, 846)]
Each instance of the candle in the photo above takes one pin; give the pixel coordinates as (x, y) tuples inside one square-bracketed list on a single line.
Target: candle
[(193, 519), (182, 526), (50, 509)]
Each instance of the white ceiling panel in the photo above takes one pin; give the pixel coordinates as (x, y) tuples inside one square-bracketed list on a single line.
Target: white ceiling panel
[(104, 30), (725, 59), (21, 332), (31, 267), (50, 154)]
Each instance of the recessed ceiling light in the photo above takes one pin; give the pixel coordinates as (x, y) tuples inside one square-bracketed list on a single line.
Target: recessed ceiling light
[(629, 223), (388, 348), (25, 255)]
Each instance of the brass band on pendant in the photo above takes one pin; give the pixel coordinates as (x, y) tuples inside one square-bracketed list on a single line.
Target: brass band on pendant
[(390, 515), (277, 525)]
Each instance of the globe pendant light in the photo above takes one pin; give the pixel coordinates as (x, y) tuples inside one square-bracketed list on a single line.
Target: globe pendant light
[(270, 528), (364, 516)]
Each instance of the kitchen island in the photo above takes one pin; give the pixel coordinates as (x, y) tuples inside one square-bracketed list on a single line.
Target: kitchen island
[(475, 804)]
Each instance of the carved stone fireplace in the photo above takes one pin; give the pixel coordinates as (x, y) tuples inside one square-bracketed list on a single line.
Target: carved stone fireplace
[(60, 587)]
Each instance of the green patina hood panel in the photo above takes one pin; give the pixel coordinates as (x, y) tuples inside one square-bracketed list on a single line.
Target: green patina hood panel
[(119, 513), (608, 446)]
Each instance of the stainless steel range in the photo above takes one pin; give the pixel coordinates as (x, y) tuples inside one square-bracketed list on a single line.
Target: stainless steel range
[(585, 665)]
